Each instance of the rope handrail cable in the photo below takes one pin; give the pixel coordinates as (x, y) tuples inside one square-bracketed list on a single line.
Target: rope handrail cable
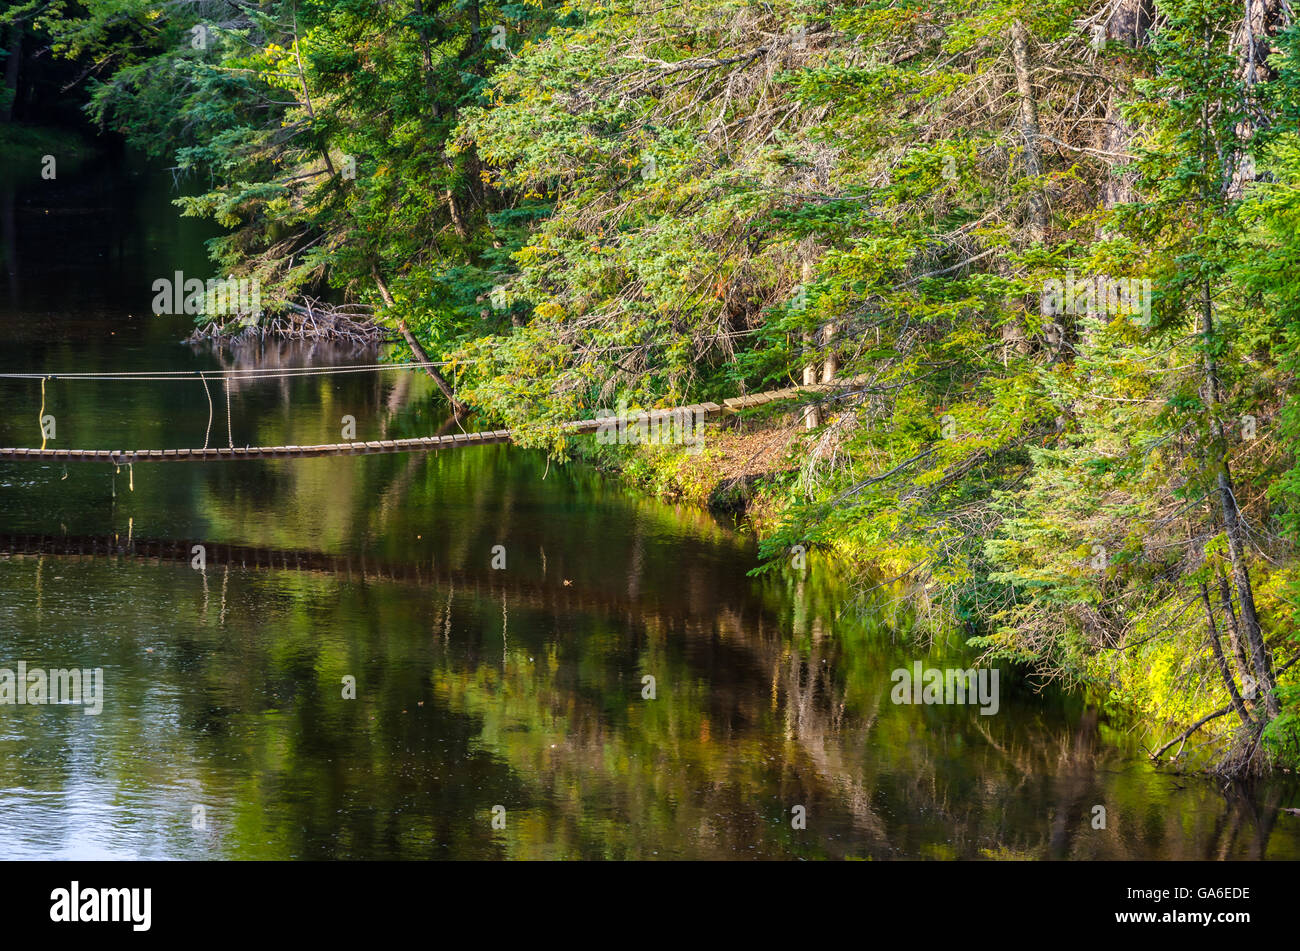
[(208, 392)]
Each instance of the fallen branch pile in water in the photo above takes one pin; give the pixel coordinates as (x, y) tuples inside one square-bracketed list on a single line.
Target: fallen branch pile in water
[(311, 320)]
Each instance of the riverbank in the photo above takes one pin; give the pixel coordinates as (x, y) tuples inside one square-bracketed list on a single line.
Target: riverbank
[(733, 472)]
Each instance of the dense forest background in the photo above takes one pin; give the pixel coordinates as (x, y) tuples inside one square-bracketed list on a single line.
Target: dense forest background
[(1050, 251)]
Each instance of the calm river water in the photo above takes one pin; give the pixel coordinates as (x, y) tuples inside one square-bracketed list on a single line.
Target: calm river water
[(225, 732)]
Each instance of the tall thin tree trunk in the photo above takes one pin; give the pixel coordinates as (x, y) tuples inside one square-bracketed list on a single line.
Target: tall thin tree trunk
[(1249, 619), (458, 408), (1129, 23), (1014, 333), (1036, 201), (1234, 633), (812, 417), (1261, 20), (1260, 23), (13, 63), (831, 365), (457, 216), (475, 27), (306, 96), (1217, 649), (426, 52)]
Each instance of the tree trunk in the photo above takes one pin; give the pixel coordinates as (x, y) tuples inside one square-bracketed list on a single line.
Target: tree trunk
[(812, 417), (1036, 201), (1245, 592), (1217, 649), (458, 408), (1116, 134), (1260, 24), (306, 96), (475, 30), (13, 63), (1129, 24), (831, 365), (1254, 36), (426, 53), (1036, 213), (1234, 633), (457, 216), (1249, 619)]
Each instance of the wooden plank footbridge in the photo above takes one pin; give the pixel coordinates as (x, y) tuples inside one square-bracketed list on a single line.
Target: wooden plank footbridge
[(125, 457)]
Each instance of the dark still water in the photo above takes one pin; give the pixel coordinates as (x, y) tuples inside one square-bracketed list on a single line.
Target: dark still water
[(498, 712)]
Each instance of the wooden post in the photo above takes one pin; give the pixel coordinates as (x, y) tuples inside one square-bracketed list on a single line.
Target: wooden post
[(831, 366)]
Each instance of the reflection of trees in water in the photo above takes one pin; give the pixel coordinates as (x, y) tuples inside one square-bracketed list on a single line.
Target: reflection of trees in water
[(767, 698), (270, 353), (754, 714), (1244, 828), (262, 354), (1012, 785), (816, 721), (747, 724)]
